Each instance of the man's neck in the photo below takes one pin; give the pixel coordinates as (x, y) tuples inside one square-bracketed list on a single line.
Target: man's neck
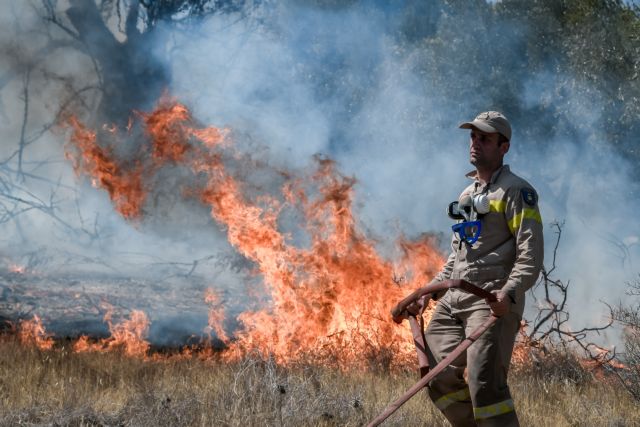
[(484, 174)]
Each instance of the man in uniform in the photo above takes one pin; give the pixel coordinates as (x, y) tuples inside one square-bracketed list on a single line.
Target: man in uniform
[(506, 259)]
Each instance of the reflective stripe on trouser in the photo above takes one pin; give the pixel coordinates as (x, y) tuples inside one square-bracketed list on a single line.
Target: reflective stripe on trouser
[(487, 362), (447, 400), (494, 410)]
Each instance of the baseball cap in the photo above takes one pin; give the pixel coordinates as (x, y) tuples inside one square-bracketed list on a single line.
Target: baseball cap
[(491, 122)]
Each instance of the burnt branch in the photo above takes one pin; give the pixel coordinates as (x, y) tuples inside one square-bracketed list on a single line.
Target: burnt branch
[(74, 98), (23, 129), (550, 327), (131, 29), (191, 266), (23, 200), (27, 139), (52, 17), (627, 315), (634, 289)]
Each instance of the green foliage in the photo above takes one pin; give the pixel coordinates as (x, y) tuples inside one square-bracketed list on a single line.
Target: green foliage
[(561, 68), (176, 10)]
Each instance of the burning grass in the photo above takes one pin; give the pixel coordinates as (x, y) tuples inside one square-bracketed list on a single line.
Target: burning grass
[(328, 293), (61, 387), (327, 285)]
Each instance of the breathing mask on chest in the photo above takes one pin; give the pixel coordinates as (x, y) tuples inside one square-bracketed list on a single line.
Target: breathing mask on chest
[(469, 210)]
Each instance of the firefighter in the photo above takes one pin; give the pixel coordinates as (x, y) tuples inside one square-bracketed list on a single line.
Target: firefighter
[(505, 259)]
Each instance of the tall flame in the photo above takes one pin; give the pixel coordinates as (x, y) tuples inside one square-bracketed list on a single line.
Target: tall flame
[(216, 316), (329, 299), (123, 182)]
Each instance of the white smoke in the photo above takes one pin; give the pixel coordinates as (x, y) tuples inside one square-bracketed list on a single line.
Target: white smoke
[(300, 80), (401, 141)]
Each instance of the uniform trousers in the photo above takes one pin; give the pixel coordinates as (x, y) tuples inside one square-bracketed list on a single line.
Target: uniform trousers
[(483, 397)]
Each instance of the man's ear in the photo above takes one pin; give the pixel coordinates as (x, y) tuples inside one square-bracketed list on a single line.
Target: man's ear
[(504, 147)]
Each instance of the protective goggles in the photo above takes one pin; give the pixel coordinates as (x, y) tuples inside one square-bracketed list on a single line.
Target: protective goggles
[(468, 231)]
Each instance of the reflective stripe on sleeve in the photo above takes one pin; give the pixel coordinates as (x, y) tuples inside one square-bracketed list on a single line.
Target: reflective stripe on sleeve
[(493, 410), (497, 206), (516, 221), (457, 396)]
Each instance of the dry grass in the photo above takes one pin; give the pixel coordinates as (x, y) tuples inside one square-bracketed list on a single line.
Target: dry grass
[(60, 388)]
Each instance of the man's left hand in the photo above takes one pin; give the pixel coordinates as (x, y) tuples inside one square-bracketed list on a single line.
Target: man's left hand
[(500, 307), (399, 313)]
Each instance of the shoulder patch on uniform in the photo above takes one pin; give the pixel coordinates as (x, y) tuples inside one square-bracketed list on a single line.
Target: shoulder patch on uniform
[(529, 196)]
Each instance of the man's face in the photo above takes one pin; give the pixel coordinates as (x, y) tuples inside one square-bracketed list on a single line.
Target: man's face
[(484, 150)]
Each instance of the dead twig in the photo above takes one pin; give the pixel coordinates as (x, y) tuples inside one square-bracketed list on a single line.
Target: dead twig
[(550, 327)]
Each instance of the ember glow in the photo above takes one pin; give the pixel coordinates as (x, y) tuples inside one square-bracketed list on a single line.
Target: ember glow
[(17, 269), (329, 299)]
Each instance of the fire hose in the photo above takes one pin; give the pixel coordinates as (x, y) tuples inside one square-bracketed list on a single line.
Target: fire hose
[(417, 329)]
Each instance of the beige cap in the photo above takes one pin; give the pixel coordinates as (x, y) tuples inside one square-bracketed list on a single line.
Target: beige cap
[(491, 122)]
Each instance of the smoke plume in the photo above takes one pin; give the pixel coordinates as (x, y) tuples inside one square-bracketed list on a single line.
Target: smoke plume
[(380, 89)]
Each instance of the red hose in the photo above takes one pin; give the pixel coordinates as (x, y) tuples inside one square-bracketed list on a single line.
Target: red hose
[(421, 347)]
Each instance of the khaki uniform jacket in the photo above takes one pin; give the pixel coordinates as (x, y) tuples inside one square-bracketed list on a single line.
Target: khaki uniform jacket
[(509, 252)]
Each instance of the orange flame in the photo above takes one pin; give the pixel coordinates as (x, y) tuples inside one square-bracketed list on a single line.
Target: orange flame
[(328, 299), (128, 336), (170, 140), (123, 184), (216, 316), (32, 332)]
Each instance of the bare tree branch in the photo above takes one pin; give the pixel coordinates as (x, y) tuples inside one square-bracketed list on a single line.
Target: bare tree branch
[(550, 327), (23, 129), (53, 18), (628, 316)]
